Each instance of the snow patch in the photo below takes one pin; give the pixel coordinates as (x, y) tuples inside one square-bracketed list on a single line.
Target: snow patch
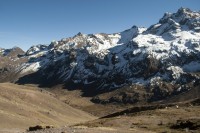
[(176, 71), (30, 67)]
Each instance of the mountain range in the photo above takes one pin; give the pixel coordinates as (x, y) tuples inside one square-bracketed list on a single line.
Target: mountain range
[(138, 64)]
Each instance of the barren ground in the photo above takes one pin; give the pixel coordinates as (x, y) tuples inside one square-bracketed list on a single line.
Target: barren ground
[(24, 106), (28, 105)]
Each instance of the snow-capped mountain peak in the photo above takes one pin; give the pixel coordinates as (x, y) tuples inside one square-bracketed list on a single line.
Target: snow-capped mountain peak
[(166, 53), (183, 19)]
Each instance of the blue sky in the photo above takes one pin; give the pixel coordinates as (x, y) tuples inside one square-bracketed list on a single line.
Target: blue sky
[(29, 22)]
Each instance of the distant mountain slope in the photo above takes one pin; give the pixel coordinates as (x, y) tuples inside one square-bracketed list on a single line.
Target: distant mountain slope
[(10, 60), (163, 59)]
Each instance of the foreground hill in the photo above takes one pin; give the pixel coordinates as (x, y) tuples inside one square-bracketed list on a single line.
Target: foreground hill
[(24, 106)]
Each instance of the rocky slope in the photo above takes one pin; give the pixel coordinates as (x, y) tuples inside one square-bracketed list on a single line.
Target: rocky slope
[(10, 59), (163, 60)]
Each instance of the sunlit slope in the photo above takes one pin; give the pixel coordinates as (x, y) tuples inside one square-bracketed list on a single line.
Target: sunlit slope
[(23, 106)]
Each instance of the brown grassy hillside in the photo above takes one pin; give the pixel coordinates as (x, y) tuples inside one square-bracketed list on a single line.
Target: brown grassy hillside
[(24, 106)]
